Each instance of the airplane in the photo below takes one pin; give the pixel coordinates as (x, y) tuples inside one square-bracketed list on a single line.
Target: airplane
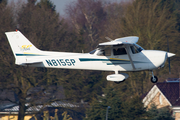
[(121, 54)]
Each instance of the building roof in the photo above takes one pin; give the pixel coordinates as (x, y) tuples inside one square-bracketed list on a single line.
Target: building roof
[(8, 99), (170, 90), (37, 95), (39, 107)]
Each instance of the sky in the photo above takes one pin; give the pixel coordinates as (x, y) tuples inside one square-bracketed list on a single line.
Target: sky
[(61, 4)]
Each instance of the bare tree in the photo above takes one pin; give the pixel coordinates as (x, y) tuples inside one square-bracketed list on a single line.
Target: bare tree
[(87, 16), (150, 20), (37, 23)]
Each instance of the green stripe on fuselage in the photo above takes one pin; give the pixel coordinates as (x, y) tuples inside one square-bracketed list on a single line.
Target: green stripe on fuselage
[(91, 59), (95, 59), (109, 61), (28, 55)]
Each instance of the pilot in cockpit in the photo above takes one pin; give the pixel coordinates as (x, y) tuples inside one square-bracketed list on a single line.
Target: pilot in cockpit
[(119, 51)]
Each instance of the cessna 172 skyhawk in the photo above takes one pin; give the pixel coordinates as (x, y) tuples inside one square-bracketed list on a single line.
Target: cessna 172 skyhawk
[(122, 54)]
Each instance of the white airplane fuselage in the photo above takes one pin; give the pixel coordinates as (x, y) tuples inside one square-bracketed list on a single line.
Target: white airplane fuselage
[(122, 54), (144, 60)]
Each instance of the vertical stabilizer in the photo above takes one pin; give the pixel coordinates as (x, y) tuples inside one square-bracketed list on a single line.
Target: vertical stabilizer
[(20, 46)]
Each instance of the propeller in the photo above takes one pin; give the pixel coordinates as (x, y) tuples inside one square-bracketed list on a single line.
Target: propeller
[(168, 57), (109, 39)]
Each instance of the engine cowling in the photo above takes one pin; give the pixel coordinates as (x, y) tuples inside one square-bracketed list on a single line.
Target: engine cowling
[(117, 77)]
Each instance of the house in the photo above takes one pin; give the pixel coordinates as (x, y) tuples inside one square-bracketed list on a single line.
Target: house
[(38, 111), (165, 94), (9, 103)]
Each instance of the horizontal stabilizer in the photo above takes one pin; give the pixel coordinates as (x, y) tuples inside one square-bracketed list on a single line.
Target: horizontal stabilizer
[(27, 62)]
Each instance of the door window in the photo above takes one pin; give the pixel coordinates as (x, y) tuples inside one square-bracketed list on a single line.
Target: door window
[(119, 51)]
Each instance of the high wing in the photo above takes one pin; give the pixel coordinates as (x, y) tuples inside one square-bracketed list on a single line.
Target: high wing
[(124, 40)]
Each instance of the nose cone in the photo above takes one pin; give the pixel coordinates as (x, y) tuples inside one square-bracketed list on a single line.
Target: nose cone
[(170, 54)]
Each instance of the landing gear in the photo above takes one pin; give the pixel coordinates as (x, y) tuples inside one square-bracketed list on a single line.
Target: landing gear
[(154, 79), (117, 82)]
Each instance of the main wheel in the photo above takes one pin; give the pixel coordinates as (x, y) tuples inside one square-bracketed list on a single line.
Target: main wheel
[(154, 80)]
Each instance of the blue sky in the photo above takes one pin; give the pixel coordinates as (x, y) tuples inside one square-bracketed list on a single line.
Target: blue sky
[(61, 4)]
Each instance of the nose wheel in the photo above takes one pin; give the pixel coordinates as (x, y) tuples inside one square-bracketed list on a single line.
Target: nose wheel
[(154, 79)]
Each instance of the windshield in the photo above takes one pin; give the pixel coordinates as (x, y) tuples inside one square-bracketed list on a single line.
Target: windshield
[(92, 52), (136, 48), (139, 47)]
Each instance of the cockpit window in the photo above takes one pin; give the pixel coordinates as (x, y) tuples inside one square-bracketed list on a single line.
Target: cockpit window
[(136, 49), (101, 53), (139, 47), (119, 51), (106, 52)]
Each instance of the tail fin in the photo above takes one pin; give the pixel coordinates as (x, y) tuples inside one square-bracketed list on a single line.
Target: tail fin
[(20, 46)]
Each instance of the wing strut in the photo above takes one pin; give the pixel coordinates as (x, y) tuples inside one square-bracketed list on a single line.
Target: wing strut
[(127, 50)]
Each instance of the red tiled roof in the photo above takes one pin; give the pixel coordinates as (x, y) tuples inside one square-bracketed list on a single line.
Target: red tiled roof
[(171, 91)]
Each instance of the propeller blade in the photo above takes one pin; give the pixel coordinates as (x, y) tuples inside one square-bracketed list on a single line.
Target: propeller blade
[(169, 55), (169, 65), (109, 39)]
